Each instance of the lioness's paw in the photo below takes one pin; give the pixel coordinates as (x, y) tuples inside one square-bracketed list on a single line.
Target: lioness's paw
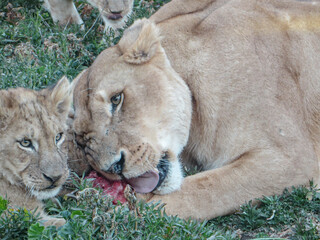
[(144, 196)]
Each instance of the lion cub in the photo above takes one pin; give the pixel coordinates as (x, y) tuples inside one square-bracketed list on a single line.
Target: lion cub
[(33, 164)]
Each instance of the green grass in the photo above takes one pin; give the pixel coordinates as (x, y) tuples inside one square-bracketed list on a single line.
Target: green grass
[(295, 214), (35, 53), (90, 215)]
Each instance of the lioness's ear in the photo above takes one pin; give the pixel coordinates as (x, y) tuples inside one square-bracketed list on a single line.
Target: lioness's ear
[(61, 95), (140, 42)]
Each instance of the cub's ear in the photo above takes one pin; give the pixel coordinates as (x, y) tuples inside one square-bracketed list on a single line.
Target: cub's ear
[(4, 101), (7, 102), (61, 96), (8, 106), (140, 42)]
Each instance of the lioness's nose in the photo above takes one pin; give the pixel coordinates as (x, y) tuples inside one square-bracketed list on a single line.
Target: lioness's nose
[(117, 167)]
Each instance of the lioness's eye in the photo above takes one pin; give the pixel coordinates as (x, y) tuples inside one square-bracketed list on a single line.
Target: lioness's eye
[(26, 143), (58, 137), (116, 99)]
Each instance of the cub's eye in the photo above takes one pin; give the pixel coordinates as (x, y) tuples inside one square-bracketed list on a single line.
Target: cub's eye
[(58, 137), (26, 143), (116, 99)]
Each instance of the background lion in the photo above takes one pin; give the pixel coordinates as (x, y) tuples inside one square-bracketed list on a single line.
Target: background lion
[(33, 161), (232, 87), (113, 12)]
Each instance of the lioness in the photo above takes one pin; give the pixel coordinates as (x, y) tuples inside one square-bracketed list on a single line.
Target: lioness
[(113, 12), (33, 163), (230, 86)]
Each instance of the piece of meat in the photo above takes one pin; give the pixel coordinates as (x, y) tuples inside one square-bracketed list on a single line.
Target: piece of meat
[(115, 189)]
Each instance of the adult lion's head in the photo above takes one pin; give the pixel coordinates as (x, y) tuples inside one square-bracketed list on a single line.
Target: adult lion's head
[(133, 113)]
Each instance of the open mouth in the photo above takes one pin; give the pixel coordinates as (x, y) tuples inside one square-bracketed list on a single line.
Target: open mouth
[(151, 180), (145, 183)]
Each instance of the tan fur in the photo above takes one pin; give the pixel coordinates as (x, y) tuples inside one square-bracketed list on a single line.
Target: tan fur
[(31, 173), (252, 70), (108, 9), (114, 13), (63, 11)]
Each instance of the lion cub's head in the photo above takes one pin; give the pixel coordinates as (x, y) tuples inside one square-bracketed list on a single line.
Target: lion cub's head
[(32, 128), (133, 113)]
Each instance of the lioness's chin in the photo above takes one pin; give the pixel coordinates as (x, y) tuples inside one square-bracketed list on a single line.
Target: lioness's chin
[(173, 180), (45, 194)]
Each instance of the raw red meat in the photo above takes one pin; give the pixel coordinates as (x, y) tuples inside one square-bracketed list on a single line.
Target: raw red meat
[(115, 189)]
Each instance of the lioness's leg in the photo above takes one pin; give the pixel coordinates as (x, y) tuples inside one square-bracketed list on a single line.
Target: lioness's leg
[(63, 11), (221, 191)]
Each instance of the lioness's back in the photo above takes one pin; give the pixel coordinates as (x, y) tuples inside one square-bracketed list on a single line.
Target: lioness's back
[(289, 30)]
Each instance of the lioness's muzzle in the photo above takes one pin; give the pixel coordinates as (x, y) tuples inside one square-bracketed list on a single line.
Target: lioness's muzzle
[(117, 167)]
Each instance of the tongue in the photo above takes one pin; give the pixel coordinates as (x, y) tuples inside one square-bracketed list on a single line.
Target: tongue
[(144, 183)]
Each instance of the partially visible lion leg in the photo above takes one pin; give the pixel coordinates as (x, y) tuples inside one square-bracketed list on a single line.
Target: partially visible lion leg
[(63, 11), (221, 191), (19, 198), (52, 221)]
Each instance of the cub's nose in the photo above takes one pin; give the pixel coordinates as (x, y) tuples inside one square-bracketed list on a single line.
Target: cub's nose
[(52, 179), (117, 167)]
